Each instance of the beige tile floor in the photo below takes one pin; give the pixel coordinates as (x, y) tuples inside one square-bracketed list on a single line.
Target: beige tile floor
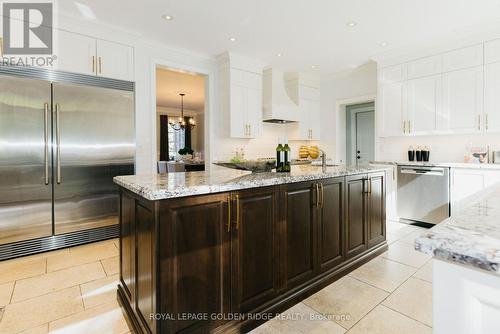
[(392, 294), (66, 291), (74, 291)]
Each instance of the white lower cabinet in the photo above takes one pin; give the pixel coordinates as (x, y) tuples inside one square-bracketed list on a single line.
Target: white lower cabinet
[(465, 300), (462, 100), (466, 184)]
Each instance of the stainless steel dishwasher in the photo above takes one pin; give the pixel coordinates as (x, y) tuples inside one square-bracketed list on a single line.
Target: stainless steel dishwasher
[(423, 194)]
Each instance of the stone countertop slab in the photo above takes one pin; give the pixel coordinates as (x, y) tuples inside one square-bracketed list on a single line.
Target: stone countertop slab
[(470, 238), (174, 185)]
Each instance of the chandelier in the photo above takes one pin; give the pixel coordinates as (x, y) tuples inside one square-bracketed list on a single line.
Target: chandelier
[(181, 123)]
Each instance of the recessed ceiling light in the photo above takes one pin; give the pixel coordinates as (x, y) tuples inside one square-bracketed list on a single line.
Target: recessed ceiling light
[(278, 55), (383, 44), (167, 17), (314, 67), (351, 24), (232, 39)]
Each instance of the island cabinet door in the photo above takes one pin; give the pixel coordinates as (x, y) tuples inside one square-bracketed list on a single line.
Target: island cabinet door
[(376, 208), (254, 248), (331, 223), (194, 285), (356, 212), (299, 233), (127, 245)]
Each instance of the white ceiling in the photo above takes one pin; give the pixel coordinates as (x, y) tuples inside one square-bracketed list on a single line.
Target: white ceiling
[(305, 32), (169, 84)]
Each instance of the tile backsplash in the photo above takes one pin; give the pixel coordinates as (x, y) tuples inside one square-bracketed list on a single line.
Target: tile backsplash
[(444, 148)]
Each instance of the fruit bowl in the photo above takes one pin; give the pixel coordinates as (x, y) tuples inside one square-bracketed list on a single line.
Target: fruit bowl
[(255, 166)]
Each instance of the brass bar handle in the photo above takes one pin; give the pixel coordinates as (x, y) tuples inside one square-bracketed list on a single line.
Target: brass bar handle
[(322, 195), (486, 121), (58, 145), (100, 65), (46, 141), (404, 127), (93, 64), (316, 187), (369, 185), (479, 122), (229, 213), (237, 211), (365, 187), (409, 127)]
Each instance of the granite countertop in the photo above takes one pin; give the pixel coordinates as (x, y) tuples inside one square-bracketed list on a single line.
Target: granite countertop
[(173, 185), (439, 164), (471, 238)]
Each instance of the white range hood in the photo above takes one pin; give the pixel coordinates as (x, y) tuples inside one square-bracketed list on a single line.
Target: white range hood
[(278, 107)]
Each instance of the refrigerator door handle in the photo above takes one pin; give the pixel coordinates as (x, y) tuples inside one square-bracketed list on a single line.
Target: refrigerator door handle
[(58, 144), (46, 141)]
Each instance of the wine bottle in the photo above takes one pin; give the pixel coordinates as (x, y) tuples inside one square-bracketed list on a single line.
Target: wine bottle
[(286, 162), (279, 156)]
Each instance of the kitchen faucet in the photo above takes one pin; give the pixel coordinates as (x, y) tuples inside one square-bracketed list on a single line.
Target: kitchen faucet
[(323, 161)]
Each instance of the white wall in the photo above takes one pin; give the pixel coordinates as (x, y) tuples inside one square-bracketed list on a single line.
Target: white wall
[(356, 86)]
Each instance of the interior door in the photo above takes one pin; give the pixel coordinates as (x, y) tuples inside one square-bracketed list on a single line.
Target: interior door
[(25, 164), (94, 141), (365, 137)]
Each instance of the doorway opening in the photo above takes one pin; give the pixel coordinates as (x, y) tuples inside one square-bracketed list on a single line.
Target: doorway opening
[(180, 121), (360, 133)]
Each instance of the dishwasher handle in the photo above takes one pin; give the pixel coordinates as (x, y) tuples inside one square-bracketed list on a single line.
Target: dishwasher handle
[(423, 171)]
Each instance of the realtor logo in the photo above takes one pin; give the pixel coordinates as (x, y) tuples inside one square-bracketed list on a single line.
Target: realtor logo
[(27, 28)]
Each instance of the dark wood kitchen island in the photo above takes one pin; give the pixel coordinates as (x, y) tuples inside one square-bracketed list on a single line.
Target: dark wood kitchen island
[(225, 251)]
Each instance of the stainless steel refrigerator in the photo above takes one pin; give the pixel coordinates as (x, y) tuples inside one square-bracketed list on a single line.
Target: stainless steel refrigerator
[(62, 139)]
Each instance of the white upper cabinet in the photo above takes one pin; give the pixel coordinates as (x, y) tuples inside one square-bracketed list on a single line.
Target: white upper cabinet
[(245, 105), (304, 90), (237, 106), (492, 51), (76, 53), (463, 100), (441, 94), (86, 55), (392, 74), (424, 67), (114, 60), (463, 58), (240, 92), (390, 104), (491, 119), (423, 105), (254, 112)]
